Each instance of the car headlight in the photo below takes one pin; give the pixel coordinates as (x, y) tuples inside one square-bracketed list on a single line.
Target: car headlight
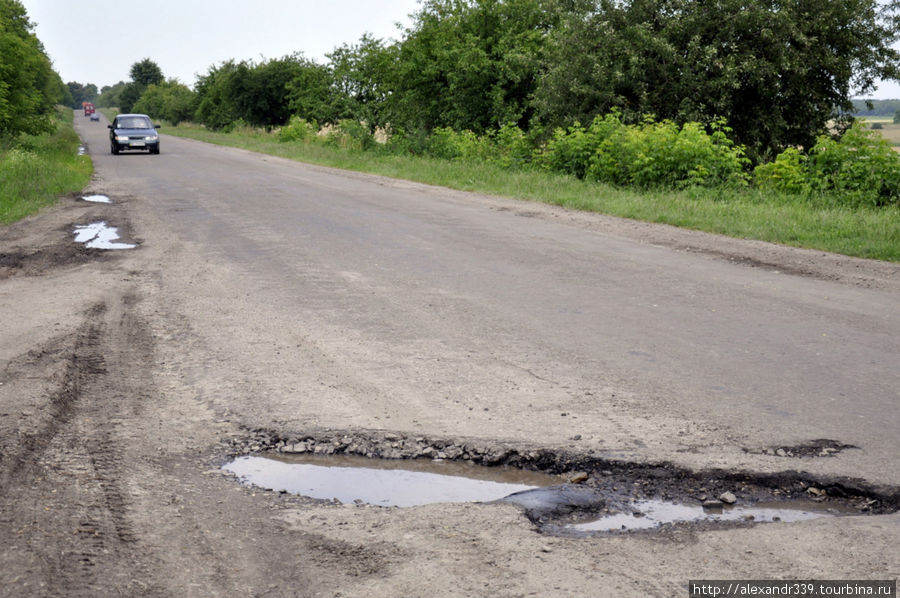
[(121, 137), (153, 138)]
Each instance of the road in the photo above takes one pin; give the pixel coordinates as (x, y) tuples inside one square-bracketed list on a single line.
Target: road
[(270, 295)]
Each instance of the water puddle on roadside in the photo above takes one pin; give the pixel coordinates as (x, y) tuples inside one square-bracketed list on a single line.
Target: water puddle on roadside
[(99, 235), (398, 483), (650, 514), (97, 198)]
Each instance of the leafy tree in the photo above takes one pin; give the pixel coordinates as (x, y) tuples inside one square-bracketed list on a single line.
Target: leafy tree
[(130, 95), (470, 64), (778, 71), (81, 93), (313, 96), (172, 101), (214, 106), (146, 72), (362, 79), (29, 87), (109, 95)]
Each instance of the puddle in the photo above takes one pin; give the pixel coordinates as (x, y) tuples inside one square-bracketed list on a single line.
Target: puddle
[(98, 235), (398, 483), (97, 198), (650, 514)]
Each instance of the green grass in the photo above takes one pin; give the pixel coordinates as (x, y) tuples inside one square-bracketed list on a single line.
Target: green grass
[(36, 170), (862, 232)]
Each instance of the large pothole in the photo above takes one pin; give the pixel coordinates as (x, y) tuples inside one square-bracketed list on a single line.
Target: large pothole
[(560, 492)]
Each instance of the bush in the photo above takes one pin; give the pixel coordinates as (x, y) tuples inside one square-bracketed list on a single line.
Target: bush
[(787, 174), (351, 134), (509, 147), (570, 150), (298, 129), (859, 168), (664, 155)]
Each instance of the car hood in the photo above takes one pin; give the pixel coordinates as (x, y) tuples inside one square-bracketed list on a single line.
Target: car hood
[(144, 132)]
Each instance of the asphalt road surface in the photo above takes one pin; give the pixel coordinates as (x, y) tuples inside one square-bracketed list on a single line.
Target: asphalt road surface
[(265, 294)]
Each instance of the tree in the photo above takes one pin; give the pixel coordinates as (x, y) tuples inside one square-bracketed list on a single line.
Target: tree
[(146, 72), (109, 95), (777, 71), (172, 101), (362, 79), (470, 64), (81, 93), (29, 87)]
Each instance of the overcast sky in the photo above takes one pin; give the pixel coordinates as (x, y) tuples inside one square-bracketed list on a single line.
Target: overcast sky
[(97, 41)]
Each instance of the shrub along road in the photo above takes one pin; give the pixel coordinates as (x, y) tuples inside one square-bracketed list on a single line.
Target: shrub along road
[(267, 294)]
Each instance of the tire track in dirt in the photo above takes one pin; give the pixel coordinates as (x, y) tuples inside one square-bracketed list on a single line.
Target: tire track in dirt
[(65, 481)]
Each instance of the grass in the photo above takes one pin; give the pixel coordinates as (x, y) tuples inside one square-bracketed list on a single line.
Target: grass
[(36, 170), (863, 232)]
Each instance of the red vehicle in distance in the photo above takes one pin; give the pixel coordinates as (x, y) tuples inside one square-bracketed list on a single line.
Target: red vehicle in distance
[(88, 108)]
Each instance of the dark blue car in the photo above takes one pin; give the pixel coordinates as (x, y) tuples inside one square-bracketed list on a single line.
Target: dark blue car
[(133, 132)]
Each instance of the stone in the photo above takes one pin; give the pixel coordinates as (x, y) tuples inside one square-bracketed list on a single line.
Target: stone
[(577, 477), (728, 498)]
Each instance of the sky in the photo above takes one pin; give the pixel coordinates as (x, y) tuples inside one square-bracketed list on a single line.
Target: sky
[(97, 41)]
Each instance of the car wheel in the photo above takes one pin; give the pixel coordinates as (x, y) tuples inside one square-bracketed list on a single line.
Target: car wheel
[(154, 150), (114, 149)]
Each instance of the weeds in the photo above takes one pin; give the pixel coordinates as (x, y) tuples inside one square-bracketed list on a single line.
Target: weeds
[(36, 170)]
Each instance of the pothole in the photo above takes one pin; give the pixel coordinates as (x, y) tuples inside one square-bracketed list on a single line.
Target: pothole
[(408, 483), (653, 514), (99, 235), (811, 449), (561, 493), (96, 198)]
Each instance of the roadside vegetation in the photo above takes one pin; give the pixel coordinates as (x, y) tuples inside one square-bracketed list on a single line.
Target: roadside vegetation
[(39, 158), (36, 170)]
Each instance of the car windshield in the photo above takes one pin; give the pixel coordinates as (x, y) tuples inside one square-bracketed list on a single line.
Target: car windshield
[(135, 122)]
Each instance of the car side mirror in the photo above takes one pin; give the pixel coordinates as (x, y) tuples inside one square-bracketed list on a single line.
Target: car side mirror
[(155, 126), (109, 126)]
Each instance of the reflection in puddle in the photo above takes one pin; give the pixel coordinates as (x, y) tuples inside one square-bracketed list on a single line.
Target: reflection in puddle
[(649, 514), (97, 198), (405, 483), (97, 235)]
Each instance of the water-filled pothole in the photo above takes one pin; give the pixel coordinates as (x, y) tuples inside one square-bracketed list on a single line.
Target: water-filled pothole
[(556, 508), (99, 235), (96, 198), (398, 483), (651, 514)]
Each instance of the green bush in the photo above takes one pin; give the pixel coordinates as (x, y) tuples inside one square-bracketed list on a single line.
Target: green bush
[(351, 134), (298, 129), (859, 168), (787, 174), (448, 144), (665, 156), (570, 150), (511, 147)]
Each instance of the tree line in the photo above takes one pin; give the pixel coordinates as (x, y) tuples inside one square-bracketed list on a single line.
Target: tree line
[(29, 87), (779, 72)]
